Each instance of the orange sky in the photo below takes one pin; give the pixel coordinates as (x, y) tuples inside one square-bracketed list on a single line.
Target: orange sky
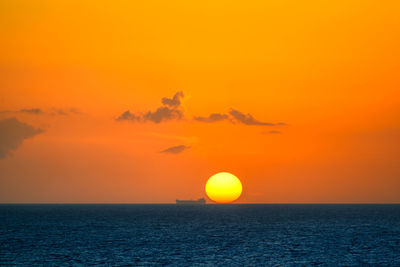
[(329, 70)]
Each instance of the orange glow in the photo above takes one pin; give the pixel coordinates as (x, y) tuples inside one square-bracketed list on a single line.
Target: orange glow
[(223, 187), (329, 70)]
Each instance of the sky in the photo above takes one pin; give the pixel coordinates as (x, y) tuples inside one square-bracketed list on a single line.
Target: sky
[(142, 101)]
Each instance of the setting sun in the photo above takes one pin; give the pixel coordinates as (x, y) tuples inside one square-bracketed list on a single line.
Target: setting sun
[(223, 187)]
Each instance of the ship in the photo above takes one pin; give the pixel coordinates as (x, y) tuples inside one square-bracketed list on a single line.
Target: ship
[(200, 201)]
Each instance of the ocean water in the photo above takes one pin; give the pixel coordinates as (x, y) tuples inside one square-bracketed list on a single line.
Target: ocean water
[(209, 235)]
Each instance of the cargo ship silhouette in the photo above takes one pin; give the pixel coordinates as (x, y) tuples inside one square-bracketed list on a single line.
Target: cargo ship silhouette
[(200, 201)]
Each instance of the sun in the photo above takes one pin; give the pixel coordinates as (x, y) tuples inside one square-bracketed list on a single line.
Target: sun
[(223, 187)]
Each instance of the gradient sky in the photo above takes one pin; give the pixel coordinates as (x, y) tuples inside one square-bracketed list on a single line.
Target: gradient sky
[(321, 80)]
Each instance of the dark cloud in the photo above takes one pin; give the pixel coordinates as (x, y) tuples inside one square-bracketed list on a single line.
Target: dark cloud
[(31, 110), (214, 117), (163, 114), (175, 149), (247, 118), (169, 111), (13, 133), (127, 115), (175, 101), (38, 111), (236, 116)]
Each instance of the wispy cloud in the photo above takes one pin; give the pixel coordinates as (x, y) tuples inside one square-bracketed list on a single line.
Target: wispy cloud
[(169, 111), (235, 116), (272, 132), (64, 112), (13, 133), (39, 111), (214, 117), (175, 149), (31, 110), (247, 119)]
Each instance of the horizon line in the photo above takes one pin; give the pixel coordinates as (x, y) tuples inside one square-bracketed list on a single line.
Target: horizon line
[(207, 203)]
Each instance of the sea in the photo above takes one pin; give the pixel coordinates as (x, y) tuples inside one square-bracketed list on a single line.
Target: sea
[(199, 235)]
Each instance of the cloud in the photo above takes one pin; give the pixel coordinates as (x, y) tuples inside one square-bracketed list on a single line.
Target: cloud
[(13, 133), (247, 118), (163, 114), (39, 111), (127, 115), (214, 117), (75, 111), (63, 112), (272, 132), (175, 149), (169, 111), (174, 101), (235, 116), (31, 110)]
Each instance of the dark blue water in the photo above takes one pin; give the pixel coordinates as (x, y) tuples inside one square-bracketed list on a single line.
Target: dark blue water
[(224, 235)]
